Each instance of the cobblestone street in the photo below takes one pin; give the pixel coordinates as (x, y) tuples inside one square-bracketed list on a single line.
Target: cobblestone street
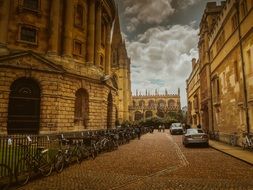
[(157, 161)]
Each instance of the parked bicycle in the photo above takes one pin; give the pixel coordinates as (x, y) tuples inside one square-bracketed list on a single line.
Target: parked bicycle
[(247, 142), (35, 160), (72, 150), (6, 176), (233, 139)]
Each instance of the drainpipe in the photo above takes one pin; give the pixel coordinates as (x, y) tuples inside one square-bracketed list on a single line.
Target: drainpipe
[(243, 68)]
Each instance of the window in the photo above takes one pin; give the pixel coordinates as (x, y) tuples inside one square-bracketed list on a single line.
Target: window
[(244, 8), (171, 103), (216, 90), (81, 108), (196, 103), (31, 4), (28, 34), (224, 80), (79, 13), (103, 34), (101, 61), (249, 60), (234, 21), (77, 47), (211, 54), (236, 71), (220, 41)]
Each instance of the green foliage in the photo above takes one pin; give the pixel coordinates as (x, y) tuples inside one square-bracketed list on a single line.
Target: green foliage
[(170, 117)]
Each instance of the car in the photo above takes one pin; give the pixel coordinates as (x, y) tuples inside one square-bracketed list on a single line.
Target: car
[(176, 128), (195, 136)]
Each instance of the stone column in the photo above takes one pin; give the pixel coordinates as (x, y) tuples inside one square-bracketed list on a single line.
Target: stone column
[(68, 27), (98, 33), (53, 46), (4, 20), (91, 32), (108, 51)]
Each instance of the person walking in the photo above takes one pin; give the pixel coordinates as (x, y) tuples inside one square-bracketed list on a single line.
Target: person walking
[(163, 128), (138, 131)]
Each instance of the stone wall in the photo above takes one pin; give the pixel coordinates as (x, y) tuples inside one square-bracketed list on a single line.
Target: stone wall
[(58, 100)]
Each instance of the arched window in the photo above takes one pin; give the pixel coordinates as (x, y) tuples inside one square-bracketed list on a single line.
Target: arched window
[(81, 108), (138, 116), (161, 104), (79, 15), (24, 107), (141, 103), (151, 103), (160, 114), (171, 103), (148, 114)]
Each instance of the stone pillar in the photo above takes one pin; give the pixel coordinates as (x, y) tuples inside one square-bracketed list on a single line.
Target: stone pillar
[(108, 51), (91, 32), (98, 33), (68, 27), (53, 46), (4, 20)]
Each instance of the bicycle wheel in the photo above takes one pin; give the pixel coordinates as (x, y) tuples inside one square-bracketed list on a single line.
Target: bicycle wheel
[(23, 171), (59, 162), (45, 165), (93, 153), (5, 177), (79, 155)]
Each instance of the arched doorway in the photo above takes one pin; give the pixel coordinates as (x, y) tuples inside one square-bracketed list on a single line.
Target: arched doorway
[(109, 110), (24, 107)]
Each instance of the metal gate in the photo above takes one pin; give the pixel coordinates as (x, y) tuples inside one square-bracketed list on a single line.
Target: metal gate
[(24, 107)]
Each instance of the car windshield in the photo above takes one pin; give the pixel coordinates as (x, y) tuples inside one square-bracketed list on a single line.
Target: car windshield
[(176, 125), (194, 131)]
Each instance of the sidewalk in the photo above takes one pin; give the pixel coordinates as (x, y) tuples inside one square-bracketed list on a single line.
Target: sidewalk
[(234, 151)]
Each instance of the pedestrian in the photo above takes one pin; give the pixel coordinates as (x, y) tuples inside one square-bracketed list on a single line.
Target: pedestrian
[(138, 131), (163, 127)]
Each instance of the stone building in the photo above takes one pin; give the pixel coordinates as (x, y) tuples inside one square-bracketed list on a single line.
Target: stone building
[(154, 105), (207, 22), (226, 68), (55, 66), (121, 73), (193, 95)]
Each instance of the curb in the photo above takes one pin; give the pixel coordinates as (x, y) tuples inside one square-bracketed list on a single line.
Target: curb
[(241, 159)]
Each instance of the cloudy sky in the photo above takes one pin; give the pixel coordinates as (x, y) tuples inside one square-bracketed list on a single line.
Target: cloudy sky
[(161, 38)]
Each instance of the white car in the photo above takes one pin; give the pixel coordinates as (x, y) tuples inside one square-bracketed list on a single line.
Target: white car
[(176, 128)]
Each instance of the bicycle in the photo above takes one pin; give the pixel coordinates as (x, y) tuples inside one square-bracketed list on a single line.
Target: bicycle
[(5, 176), (247, 142), (32, 162), (72, 152), (233, 139)]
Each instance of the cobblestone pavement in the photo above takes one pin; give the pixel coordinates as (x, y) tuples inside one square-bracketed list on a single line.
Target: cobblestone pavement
[(157, 161)]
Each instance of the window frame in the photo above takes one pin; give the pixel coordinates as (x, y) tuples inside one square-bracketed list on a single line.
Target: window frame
[(81, 54), (81, 25), (244, 8), (22, 7), (30, 27)]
